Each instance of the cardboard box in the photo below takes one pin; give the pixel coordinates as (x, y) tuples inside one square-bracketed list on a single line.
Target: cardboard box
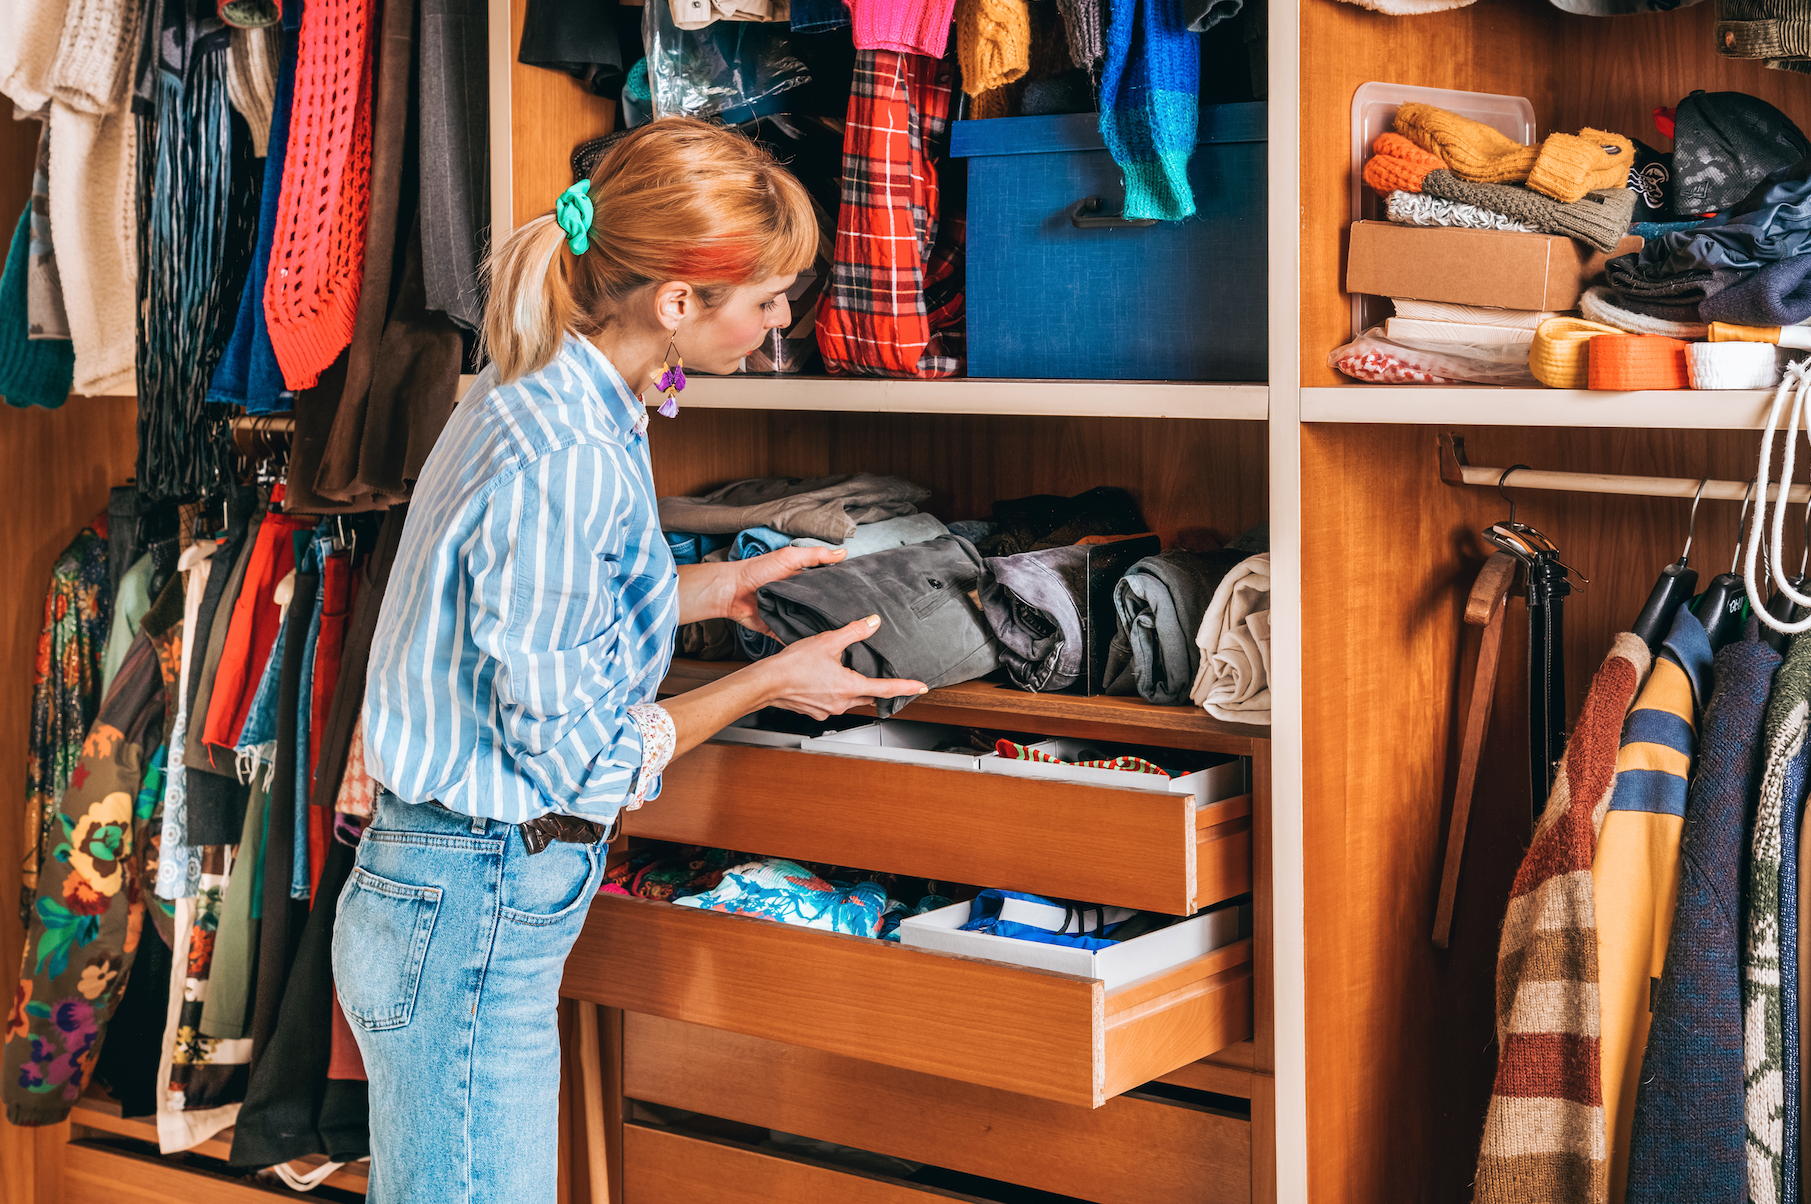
[(1125, 962), (1474, 267)]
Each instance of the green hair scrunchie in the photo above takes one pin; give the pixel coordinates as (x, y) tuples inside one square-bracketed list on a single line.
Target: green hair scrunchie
[(573, 211)]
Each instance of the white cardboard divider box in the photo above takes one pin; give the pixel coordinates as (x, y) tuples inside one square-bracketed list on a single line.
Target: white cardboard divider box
[(1117, 965), (896, 740), (1211, 785), (744, 731)]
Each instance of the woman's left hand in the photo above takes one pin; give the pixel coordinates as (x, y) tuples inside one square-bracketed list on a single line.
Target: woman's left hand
[(727, 590)]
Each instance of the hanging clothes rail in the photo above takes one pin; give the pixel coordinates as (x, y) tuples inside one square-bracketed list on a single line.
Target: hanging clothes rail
[(1455, 471)]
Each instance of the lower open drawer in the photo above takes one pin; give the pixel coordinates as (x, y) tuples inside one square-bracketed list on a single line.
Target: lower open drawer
[(1056, 1036), (661, 1166)]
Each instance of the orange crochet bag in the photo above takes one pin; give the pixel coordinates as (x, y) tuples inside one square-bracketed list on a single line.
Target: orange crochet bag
[(318, 256)]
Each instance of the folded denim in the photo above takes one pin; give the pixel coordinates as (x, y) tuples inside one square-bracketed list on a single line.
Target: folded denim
[(1160, 603), (757, 541), (688, 547), (930, 631), (822, 507), (1034, 603)]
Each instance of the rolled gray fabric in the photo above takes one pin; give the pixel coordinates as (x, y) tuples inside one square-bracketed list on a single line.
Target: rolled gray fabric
[(930, 627), (1160, 603), (1034, 601), (827, 508), (1601, 219)]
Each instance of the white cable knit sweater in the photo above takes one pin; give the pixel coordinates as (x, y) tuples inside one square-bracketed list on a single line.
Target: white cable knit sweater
[(93, 179), (93, 66), (34, 30)]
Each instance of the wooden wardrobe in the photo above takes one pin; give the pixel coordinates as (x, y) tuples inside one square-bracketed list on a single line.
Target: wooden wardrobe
[(1338, 1057)]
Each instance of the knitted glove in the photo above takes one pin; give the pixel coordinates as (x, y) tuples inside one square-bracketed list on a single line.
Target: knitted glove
[(993, 43), (1398, 165), (1570, 165), (1473, 150)]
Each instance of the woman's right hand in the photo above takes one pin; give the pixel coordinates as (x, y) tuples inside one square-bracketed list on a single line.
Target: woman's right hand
[(808, 676)]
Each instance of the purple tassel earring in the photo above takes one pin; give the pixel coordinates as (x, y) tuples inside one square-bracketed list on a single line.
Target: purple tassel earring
[(672, 381)]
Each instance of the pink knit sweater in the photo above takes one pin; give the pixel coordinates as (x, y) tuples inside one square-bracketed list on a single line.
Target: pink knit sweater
[(907, 26)]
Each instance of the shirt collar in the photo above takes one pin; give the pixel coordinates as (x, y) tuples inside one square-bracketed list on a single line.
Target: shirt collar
[(623, 410)]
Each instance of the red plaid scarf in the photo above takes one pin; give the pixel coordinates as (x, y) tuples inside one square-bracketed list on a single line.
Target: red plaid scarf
[(875, 319)]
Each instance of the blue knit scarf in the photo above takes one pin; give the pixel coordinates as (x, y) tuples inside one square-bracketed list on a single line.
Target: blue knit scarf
[(1148, 100)]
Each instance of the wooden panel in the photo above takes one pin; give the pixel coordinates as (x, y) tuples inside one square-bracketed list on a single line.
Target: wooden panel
[(990, 704), (1130, 1151), (1187, 474), (58, 466), (102, 1116), (1070, 1040), (91, 1173), (1014, 833), (664, 1166), (1209, 1075), (1577, 71), (1177, 1017), (1400, 1040), (874, 999), (550, 114)]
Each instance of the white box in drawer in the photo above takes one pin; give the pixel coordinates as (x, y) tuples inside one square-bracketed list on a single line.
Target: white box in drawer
[(895, 740), (1211, 785), (1125, 962), (744, 731)]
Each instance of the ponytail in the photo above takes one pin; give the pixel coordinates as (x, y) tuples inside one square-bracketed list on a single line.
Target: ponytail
[(676, 199), (531, 305)]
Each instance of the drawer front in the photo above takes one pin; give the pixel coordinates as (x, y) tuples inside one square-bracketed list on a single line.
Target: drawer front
[(91, 1173), (664, 1167), (1130, 1151), (1055, 1036), (1125, 848)]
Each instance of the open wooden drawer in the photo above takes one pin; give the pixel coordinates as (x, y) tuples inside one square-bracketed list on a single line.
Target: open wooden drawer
[(1055, 1036), (1125, 848)]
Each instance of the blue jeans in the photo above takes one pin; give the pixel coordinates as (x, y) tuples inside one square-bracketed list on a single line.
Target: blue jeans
[(447, 955)]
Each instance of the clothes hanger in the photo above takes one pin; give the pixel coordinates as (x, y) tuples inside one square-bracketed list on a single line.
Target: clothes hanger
[(1546, 581), (1486, 606), (1677, 583), (1722, 604)]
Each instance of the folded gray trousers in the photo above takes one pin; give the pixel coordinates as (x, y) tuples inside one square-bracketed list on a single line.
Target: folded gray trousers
[(930, 625)]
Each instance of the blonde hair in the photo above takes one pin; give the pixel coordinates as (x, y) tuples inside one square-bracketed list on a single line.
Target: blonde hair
[(675, 199)]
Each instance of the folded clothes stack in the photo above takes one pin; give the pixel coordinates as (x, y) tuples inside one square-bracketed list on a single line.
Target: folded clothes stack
[(1055, 593), (1726, 217)]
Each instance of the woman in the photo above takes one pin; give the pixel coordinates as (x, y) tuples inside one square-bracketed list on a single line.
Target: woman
[(530, 615)]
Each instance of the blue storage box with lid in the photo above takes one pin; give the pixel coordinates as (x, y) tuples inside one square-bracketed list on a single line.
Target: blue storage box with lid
[(1060, 287)]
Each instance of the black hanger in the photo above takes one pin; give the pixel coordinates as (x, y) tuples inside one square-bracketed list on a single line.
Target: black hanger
[(1547, 582), (1677, 583), (1724, 601)]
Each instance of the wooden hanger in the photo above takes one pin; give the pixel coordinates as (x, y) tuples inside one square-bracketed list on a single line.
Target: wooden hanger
[(1484, 608)]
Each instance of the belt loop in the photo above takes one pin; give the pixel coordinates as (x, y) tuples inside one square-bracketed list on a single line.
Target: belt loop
[(479, 824)]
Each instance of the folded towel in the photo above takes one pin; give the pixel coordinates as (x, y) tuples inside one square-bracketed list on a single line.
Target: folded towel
[(1233, 683), (1420, 331), (1481, 315)]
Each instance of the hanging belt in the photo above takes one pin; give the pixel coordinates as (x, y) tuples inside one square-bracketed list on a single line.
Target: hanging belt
[(1547, 589)]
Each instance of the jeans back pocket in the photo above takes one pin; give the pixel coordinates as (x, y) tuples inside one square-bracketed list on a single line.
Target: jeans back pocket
[(380, 943)]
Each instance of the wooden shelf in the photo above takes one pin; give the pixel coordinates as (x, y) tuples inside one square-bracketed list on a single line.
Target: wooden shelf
[(989, 704), (1484, 405), (1089, 398), (102, 1115)]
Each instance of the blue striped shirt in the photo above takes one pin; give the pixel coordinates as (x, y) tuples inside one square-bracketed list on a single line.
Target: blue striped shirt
[(533, 602)]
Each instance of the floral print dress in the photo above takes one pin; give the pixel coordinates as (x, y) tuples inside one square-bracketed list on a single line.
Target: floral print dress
[(89, 911)]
